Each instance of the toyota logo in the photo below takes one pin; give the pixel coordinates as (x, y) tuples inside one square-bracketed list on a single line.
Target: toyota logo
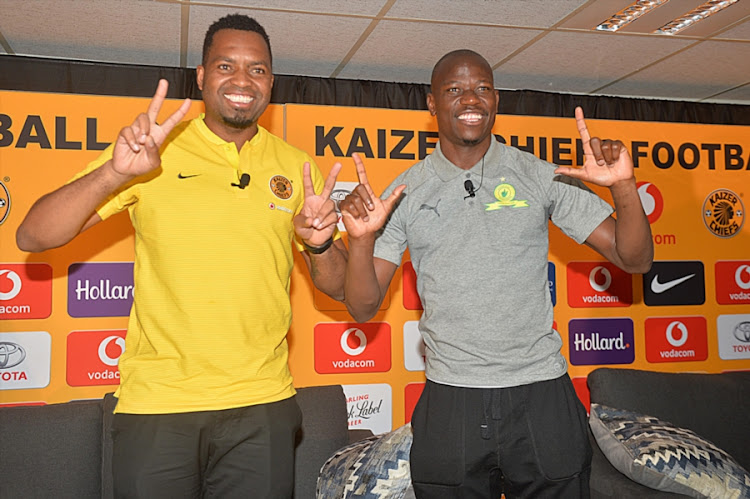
[(11, 354)]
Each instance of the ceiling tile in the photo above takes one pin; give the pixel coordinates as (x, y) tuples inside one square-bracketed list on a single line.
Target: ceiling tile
[(100, 30), (302, 51), (383, 57), (530, 13), (580, 62), (358, 7), (696, 73)]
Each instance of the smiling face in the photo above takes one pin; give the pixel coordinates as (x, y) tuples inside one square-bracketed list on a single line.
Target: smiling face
[(464, 100), (236, 82)]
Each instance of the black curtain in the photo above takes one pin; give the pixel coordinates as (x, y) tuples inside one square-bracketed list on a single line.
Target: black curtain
[(80, 77)]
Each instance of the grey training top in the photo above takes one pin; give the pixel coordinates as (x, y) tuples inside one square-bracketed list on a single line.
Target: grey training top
[(481, 262)]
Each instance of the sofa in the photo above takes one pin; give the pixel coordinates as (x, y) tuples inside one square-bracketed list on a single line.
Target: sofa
[(65, 450), (642, 422)]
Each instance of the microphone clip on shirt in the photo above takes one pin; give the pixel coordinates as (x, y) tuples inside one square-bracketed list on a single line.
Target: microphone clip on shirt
[(244, 181), (469, 186)]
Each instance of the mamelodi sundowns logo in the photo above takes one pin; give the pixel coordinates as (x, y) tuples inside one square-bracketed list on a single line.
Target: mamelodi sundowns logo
[(25, 360), (100, 289), (25, 291), (732, 282), (345, 347), (370, 407), (93, 356), (598, 284), (601, 341), (676, 339)]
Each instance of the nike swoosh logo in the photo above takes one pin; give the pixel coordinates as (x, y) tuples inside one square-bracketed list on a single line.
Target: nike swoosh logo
[(180, 175), (660, 287)]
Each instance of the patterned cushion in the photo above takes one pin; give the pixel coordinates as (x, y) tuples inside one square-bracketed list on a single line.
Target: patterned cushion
[(374, 468), (659, 455)]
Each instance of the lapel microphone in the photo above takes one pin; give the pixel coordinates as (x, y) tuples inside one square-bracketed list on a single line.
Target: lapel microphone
[(469, 186), (244, 181)]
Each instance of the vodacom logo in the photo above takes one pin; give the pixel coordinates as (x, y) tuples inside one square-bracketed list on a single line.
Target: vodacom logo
[(593, 279), (651, 200), (104, 356), (681, 329), (15, 280), (742, 276), (345, 341)]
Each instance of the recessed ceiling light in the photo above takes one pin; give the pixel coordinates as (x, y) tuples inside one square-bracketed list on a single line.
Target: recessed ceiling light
[(697, 14), (629, 14)]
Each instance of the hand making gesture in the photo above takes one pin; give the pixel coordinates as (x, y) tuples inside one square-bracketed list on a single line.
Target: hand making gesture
[(606, 162), (317, 220), (362, 211), (137, 147)]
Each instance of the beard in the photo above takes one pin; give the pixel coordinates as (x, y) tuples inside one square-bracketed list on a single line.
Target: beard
[(471, 142), (238, 121)]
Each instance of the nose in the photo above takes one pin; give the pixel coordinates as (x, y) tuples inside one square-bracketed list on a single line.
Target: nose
[(241, 78), (469, 96)]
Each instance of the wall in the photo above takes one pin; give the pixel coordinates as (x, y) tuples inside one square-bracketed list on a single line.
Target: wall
[(61, 322)]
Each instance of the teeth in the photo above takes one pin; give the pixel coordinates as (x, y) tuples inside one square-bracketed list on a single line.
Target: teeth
[(240, 99), (470, 116)]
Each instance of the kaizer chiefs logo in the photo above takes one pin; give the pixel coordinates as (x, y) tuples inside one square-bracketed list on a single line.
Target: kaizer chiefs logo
[(281, 187), (723, 213), (4, 202)]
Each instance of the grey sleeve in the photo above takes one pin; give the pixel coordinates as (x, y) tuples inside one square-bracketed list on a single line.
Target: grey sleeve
[(576, 209), (390, 244)]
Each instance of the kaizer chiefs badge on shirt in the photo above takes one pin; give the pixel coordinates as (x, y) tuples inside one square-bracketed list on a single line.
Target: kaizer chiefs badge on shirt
[(281, 187)]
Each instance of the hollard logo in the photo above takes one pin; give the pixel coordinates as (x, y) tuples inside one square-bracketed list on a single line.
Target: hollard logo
[(280, 186), (506, 197), (723, 213), (11, 354)]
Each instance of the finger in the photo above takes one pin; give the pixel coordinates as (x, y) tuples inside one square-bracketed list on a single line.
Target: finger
[(330, 219), (307, 180), (596, 150), (176, 117), (141, 128), (571, 172), (607, 151), (326, 209), (395, 195), (128, 135), (152, 151), (358, 207), (331, 180), (158, 99), (583, 130), (362, 173)]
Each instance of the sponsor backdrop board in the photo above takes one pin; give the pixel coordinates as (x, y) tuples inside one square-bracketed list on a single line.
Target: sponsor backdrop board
[(63, 313)]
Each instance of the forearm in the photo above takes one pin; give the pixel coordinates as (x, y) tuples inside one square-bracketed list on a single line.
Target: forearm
[(633, 241), (362, 288), (328, 268), (56, 218)]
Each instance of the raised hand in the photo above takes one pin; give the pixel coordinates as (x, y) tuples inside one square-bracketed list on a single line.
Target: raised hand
[(137, 147), (317, 220), (606, 162), (362, 211)]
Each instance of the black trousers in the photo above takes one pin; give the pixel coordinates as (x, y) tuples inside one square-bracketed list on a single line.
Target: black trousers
[(234, 453), (529, 441)]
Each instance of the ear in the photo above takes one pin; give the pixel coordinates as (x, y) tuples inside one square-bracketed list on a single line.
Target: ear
[(199, 71), (431, 104)]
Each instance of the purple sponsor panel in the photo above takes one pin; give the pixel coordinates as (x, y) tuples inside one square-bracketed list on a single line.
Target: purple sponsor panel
[(601, 341), (100, 289)]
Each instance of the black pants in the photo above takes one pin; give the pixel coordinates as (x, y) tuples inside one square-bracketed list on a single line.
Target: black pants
[(235, 453), (528, 441)]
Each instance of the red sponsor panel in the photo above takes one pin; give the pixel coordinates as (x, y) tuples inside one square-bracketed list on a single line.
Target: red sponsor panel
[(676, 339), (732, 282), (25, 290), (93, 356), (412, 392), (345, 347), (411, 297), (598, 284)]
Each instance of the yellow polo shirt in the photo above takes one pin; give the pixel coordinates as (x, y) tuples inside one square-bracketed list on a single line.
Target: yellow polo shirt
[(211, 308)]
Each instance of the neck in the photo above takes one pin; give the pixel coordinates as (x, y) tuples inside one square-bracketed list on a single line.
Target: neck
[(466, 156), (230, 134)]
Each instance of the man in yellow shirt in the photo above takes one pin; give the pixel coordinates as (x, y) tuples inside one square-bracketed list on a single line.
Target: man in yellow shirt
[(206, 401)]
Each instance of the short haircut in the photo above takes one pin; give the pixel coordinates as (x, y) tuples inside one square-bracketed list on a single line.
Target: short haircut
[(234, 21), (461, 53)]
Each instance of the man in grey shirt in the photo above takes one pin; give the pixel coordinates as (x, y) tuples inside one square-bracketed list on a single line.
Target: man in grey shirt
[(498, 413)]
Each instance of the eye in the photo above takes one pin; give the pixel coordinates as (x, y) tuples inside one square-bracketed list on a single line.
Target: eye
[(224, 67), (259, 70)]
